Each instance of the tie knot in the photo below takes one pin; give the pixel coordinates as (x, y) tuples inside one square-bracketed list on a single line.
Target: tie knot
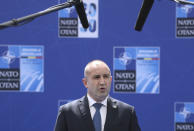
[(97, 106)]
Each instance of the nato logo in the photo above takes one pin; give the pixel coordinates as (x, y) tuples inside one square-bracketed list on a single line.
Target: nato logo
[(136, 69), (184, 116), (125, 58), (70, 25), (9, 57), (21, 68), (185, 20), (185, 10)]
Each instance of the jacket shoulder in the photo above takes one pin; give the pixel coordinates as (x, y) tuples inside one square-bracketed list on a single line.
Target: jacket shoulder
[(70, 104), (122, 105)]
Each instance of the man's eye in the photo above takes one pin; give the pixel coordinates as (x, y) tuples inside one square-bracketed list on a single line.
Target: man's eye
[(96, 77), (106, 76)]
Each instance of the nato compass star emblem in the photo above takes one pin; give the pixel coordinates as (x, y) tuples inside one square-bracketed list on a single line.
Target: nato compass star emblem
[(185, 113), (125, 58), (8, 57), (187, 8)]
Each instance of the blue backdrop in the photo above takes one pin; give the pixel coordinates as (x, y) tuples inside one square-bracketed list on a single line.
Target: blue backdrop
[(65, 59)]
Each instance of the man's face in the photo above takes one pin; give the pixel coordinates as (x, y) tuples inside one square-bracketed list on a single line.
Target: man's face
[(98, 82)]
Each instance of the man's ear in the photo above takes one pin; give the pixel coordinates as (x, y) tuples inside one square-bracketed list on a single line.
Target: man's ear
[(85, 82), (111, 78)]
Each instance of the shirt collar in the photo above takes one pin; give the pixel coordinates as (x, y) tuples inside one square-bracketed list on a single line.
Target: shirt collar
[(91, 101)]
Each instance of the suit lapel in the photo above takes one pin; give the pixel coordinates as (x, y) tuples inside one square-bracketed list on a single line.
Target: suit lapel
[(112, 110), (85, 113)]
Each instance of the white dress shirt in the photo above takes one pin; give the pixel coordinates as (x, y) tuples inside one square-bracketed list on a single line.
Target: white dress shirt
[(103, 109)]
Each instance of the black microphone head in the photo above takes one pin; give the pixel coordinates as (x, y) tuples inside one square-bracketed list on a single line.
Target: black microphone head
[(79, 6), (145, 9)]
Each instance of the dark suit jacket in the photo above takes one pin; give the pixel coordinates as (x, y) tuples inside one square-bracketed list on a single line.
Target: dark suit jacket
[(75, 116)]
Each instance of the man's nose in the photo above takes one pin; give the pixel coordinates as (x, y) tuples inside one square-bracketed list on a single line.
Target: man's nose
[(102, 80)]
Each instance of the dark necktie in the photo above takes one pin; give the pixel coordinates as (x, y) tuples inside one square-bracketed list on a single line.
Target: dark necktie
[(97, 117)]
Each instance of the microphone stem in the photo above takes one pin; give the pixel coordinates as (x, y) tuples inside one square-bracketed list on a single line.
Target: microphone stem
[(26, 19)]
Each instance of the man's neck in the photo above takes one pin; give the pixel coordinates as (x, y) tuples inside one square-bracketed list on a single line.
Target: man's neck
[(92, 101)]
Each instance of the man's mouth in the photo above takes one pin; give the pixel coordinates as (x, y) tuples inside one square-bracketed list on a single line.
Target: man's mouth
[(102, 88)]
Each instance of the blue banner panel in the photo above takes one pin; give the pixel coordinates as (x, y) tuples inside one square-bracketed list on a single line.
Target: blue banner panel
[(70, 25), (136, 69), (21, 68), (185, 20), (184, 116)]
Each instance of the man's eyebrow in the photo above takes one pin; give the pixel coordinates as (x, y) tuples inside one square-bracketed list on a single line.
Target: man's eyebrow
[(102, 75)]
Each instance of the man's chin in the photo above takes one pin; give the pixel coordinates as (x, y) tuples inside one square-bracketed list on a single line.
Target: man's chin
[(102, 97)]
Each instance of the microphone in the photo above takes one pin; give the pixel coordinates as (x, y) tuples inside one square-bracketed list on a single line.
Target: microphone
[(145, 9), (79, 6)]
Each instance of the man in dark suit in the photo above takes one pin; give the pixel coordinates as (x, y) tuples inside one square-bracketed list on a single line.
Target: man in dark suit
[(97, 111)]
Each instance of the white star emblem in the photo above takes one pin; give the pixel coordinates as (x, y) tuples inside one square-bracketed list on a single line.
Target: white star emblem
[(125, 58), (185, 113), (9, 57), (187, 8)]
